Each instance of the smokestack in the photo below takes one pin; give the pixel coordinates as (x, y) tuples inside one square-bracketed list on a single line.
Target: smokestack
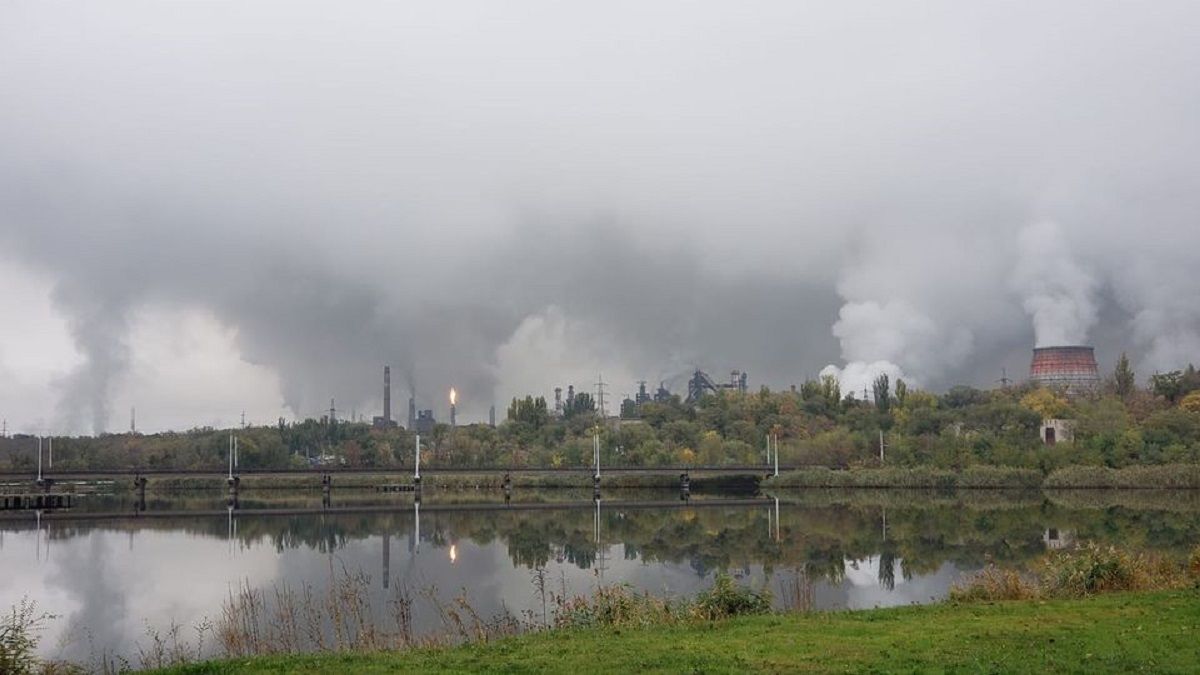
[(1070, 368), (387, 395), (492, 415), (453, 407), (558, 401)]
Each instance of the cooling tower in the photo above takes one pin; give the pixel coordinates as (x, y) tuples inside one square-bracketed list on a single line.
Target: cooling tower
[(1069, 368)]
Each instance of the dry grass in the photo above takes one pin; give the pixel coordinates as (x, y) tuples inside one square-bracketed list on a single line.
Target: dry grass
[(290, 620), (1083, 571), (619, 606), (994, 583)]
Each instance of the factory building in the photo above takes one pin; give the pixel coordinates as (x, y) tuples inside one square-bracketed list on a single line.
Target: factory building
[(424, 422)]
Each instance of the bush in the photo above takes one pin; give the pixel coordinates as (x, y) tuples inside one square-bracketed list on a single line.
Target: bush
[(1084, 571), (19, 638), (1177, 476), (977, 476), (613, 606), (726, 599), (1088, 570), (1098, 569), (993, 583), (621, 607)]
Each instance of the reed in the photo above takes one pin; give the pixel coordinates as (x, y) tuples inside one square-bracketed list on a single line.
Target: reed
[(1083, 571), (972, 477), (1163, 476)]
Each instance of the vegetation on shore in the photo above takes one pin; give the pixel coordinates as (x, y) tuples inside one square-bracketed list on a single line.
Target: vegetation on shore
[(730, 628), (1163, 476), (1113, 633), (1082, 571), (1166, 476), (817, 424), (978, 476), (285, 629)]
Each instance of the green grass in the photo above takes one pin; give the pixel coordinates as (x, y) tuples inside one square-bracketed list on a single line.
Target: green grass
[(1151, 632)]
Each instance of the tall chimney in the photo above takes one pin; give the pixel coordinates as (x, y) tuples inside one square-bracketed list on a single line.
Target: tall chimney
[(387, 395), (453, 415), (492, 415)]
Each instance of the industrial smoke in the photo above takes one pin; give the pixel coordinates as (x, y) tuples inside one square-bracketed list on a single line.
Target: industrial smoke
[(730, 196)]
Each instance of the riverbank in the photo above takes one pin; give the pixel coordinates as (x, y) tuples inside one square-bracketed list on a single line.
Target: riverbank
[(1165, 476), (973, 477), (977, 477), (1122, 632)]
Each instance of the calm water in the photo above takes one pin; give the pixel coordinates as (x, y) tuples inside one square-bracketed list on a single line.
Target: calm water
[(108, 578)]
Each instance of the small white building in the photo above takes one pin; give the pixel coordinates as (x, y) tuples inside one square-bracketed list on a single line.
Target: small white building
[(1054, 431), (1056, 539)]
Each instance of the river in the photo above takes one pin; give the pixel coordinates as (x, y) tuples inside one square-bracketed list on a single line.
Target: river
[(114, 572)]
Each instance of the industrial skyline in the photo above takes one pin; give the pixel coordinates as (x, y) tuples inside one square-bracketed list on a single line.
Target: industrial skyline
[(803, 190)]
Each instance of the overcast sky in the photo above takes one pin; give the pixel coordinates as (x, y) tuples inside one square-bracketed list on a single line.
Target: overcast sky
[(213, 206)]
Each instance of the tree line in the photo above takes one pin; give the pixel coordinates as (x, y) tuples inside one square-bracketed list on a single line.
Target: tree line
[(1121, 424)]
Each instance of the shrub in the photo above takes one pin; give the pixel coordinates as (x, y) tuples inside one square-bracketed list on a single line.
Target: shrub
[(993, 583), (613, 606), (620, 606), (1178, 476), (1084, 571), (1098, 569), (726, 599), (977, 476), (1089, 569), (19, 638)]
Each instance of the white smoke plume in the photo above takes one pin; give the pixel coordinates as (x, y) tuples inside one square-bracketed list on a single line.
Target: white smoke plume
[(769, 187), (1056, 290)]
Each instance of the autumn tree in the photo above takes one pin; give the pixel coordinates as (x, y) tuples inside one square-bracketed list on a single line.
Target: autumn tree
[(1046, 403)]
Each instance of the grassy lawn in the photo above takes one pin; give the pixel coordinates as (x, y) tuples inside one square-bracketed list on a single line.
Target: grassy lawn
[(1129, 632)]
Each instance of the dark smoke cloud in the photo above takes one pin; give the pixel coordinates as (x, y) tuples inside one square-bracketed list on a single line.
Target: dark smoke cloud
[(773, 187)]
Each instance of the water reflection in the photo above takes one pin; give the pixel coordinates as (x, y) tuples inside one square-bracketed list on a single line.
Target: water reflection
[(117, 567)]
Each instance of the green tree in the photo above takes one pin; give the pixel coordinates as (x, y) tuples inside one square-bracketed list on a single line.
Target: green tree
[(883, 395), (1123, 377), (1167, 385)]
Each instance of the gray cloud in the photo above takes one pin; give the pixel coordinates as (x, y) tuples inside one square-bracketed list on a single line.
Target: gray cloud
[(772, 187)]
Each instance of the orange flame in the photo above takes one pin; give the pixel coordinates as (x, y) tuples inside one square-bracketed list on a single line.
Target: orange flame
[(453, 396)]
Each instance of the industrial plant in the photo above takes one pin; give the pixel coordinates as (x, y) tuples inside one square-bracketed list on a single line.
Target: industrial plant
[(1071, 369)]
